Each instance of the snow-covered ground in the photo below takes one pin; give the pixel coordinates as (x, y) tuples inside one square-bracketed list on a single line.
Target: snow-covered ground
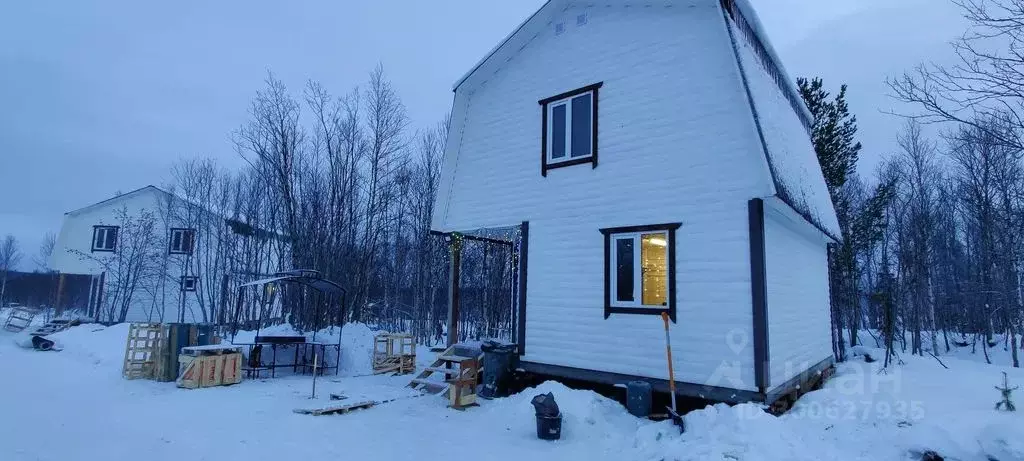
[(73, 405)]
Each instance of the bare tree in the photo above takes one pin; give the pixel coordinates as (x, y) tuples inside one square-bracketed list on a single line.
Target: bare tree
[(272, 142), (42, 258), (987, 82), (134, 263), (10, 257)]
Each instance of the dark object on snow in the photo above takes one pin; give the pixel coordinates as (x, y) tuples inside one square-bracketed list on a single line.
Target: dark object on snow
[(545, 405), (960, 343), (549, 417), (498, 364), (549, 427), (1007, 392), (931, 456), (638, 398), (41, 344), (868, 358)]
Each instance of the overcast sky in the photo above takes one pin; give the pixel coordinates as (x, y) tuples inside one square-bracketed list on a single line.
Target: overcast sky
[(97, 97)]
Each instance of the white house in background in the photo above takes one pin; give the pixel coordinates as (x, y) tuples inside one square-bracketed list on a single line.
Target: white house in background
[(657, 158), (170, 271)]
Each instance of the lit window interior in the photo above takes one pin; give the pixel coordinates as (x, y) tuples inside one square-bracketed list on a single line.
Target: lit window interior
[(654, 272)]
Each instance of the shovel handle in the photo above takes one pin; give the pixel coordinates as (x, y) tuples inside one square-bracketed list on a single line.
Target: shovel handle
[(668, 352)]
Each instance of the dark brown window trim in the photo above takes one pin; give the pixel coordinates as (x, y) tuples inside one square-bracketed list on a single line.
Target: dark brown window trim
[(170, 242), (92, 243), (669, 228), (592, 159)]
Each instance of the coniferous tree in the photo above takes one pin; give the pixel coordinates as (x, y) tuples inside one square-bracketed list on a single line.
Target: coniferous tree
[(833, 134)]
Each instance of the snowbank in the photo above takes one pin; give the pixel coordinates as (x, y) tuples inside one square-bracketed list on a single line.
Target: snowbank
[(585, 414), (94, 343)]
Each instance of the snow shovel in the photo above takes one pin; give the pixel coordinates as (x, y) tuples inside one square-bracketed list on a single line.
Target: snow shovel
[(676, 418)]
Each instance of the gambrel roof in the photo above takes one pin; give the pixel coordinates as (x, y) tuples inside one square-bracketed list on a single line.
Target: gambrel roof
[(796, 173)]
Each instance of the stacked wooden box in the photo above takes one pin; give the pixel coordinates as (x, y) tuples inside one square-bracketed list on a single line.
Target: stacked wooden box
[(208, 366)]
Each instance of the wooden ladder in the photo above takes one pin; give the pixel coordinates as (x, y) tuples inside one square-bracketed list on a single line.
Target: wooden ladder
[(19, 319)]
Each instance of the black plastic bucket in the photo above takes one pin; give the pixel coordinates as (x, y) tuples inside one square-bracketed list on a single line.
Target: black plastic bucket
[(549, 427)]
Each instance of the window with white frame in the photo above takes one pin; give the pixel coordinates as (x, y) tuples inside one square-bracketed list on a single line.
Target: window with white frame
[(640, 269), (189, 283), (104, 238), (569, 133), (182, 241)]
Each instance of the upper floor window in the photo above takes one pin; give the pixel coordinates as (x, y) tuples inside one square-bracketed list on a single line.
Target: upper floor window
[(104, 238), (569, 131), (640, 269), (182, 241)]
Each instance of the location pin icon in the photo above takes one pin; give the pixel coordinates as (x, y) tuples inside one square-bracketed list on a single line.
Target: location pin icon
[(737, 340)]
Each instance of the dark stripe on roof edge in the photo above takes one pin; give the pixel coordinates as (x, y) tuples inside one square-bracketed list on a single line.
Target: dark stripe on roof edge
[(780, 189)]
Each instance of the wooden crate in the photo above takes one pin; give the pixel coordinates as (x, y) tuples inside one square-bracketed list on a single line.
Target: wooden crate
[(232, 372), (394, 353), (209, 367)]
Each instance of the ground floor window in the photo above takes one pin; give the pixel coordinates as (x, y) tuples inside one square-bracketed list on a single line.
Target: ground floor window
[(189, 283), (640, 269)]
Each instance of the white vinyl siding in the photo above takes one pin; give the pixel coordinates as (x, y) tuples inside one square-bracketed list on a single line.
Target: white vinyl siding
[(677, 144), (796, 271)]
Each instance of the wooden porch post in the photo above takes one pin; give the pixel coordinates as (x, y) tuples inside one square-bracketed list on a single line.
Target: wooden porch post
[(454, 273)]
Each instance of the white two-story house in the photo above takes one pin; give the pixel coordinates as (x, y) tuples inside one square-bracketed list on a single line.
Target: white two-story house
[(155, 257), (656, 158)]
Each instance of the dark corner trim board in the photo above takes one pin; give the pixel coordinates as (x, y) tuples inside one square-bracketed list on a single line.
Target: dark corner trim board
[(701, 391), (592, 159), (798, 380), (670, 228), (524, 253), (759, 294)]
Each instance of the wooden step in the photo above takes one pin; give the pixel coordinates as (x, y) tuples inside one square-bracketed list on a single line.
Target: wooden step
[(429, 383), (453, 358), (447, 371)]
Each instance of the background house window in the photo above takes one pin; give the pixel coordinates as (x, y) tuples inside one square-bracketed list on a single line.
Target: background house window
[(640, 269), (104, 238), (569, 129), (182, 241), (189, 283)]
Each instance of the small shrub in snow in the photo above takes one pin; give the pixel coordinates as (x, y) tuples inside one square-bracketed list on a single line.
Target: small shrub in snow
[(1007, 392)]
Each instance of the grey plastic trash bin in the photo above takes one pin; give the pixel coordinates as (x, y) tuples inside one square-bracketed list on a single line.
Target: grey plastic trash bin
[(499, 358)]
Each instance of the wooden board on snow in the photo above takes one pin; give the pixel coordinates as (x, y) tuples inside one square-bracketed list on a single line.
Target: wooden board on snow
[(335, 409)]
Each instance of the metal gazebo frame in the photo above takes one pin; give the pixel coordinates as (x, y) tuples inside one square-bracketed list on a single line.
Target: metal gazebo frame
[(307, 278)]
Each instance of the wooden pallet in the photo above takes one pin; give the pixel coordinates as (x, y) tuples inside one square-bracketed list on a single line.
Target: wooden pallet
[(53, 326), (142, 350), (335, 409), (19, 319)]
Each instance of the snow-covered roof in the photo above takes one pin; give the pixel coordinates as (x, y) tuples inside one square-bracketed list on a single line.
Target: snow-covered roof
[(129, 194)]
